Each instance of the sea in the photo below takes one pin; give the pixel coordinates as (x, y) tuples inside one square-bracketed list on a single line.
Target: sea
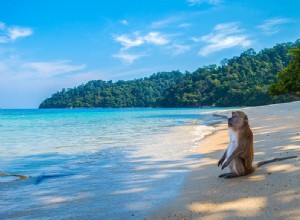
[(97, 163)]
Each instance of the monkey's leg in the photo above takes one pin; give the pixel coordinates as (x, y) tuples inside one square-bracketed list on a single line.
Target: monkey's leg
[(231, 175), (235, 154), (224, 174), (222, 158)]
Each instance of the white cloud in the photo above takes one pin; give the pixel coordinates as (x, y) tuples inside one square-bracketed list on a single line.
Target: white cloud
[(165, 22), (179, 48), (136, 39), (128, 42), (46, 69), (155, 38), (12, 67), (17, 32), (174, 21), (34, 81), (271, 26), (128, 58), (227, 28), (200, 2), (227, 42), (184, 25), (12, 33), (124, 22), (224, 36)]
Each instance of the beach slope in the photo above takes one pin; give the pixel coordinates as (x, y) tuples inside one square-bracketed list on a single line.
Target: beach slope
[(271, 192)]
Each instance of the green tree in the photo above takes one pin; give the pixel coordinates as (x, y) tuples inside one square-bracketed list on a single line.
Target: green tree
[(289, 79), (240, 81)]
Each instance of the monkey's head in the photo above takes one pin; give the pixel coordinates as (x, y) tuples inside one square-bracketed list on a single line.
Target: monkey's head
[(237, 120)]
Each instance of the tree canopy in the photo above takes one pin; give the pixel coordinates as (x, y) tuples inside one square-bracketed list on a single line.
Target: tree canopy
[(289, 79), (240, 81)]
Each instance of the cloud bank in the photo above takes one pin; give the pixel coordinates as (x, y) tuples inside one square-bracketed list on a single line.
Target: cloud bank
[(136, 39), (12, 33), (272, 26), (223, 36)]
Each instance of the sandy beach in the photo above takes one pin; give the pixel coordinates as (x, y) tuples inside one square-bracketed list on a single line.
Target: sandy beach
[(271, 192)]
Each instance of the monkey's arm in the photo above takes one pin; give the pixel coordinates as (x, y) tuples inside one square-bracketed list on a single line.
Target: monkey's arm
[(234, 154), (222, 158)]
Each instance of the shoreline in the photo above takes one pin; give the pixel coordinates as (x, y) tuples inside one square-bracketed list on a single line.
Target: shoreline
[(134, 180), (271, 192)]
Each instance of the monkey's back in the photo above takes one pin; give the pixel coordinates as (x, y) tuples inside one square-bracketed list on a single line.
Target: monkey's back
[(246, 139)]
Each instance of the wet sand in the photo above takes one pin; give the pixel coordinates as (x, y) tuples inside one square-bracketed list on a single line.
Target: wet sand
[(271, 192)]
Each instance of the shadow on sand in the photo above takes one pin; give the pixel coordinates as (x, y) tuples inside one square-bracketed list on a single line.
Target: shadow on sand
[(271, 192)]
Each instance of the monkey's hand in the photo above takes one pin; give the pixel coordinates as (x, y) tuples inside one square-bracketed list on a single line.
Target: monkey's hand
[(220, 161), (225, 164)]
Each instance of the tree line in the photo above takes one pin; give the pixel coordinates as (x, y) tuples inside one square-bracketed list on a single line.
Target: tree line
[(243, 80)]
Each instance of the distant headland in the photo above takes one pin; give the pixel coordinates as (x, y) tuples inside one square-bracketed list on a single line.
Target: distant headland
[(240, 81)]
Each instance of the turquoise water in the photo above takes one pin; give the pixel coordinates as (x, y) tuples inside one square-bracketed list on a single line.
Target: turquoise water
[(95, 163)]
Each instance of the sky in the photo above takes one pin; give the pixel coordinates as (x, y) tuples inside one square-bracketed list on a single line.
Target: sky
[(53, 44)]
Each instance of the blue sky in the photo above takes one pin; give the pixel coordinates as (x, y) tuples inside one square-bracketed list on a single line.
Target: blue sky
[(53, 44)]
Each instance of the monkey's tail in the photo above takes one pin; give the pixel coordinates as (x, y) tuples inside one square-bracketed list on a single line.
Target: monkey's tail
[(259, 164)]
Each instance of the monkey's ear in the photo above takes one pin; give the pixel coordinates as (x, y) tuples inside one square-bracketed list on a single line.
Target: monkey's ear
[(246, 121)]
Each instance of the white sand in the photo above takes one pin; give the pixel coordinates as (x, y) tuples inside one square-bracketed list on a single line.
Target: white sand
[(272, 192)]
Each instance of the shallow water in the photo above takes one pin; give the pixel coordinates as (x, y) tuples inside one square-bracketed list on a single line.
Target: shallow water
[(95, 163)]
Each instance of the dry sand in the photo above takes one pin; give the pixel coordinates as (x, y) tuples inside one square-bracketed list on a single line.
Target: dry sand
[(272, 192)]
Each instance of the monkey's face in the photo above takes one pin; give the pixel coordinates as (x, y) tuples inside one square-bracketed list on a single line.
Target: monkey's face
[(237, 120)]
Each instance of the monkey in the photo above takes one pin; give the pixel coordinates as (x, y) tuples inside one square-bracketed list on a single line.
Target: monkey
[(240, 153)]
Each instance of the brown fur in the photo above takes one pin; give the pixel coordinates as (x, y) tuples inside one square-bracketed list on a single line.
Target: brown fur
[(240, 161)]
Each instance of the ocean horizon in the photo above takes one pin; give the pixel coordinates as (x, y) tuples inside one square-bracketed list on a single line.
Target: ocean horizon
[(97, 163)]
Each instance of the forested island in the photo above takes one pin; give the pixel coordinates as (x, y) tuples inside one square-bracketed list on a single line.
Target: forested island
[(240, 81)]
